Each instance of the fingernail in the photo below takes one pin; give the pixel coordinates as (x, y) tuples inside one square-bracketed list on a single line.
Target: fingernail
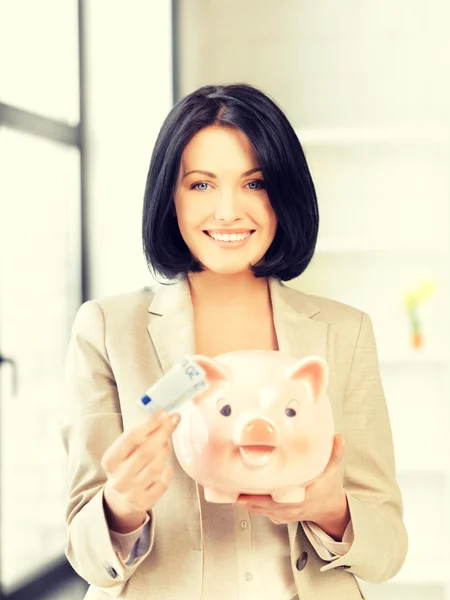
[(176, 418), (162, 416)]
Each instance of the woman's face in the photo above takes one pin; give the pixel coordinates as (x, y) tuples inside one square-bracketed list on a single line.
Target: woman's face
[(226, 198)]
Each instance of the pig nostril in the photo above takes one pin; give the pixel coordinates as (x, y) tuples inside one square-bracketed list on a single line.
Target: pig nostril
[(252, 427), (259, 431)]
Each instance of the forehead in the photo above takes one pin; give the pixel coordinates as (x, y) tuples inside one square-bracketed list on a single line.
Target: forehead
[(219, 146)]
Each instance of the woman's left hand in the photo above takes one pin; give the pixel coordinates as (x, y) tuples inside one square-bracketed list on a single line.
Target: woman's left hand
[(325, 500)]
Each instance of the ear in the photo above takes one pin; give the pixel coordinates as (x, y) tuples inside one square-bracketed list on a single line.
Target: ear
[(313, 370), (218, 375)]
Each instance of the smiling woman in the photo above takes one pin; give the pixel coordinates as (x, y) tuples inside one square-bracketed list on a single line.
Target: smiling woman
[(229, 212)]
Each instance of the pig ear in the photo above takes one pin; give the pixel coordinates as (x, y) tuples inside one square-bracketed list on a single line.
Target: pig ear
[(217, 374), (314, 370)]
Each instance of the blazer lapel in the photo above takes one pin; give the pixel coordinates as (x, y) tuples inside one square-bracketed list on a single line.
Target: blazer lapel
[(297, 334), (171, 323)]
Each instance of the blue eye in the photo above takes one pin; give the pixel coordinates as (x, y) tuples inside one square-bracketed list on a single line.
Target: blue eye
[(258, 181), (194, 186)]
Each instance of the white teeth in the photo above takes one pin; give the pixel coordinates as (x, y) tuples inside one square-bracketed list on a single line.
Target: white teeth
[(225, 237)]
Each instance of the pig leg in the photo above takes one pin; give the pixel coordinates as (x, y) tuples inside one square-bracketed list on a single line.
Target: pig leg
[(214, 495), (289, 495)]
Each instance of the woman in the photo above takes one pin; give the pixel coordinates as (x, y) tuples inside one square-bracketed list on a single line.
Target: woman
[(226, 163)]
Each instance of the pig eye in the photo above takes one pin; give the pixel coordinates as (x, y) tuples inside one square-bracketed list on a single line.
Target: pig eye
[(226, 410), (290, 410)]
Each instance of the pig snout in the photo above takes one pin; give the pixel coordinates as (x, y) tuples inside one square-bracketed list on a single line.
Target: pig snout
[(259, 432), (257, 442)]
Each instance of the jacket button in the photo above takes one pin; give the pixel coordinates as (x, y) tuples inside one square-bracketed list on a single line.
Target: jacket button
[(110, 570), (301, 561), (343, 567)]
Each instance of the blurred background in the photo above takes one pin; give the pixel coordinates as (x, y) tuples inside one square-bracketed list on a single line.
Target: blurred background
[(84, 89)]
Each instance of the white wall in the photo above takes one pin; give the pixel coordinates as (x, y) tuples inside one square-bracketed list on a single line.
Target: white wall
[(129, 93), (353, 63)]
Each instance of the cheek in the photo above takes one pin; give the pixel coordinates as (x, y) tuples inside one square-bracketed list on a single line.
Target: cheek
[(270, 224), (301, 443), (268, 210), (274, 221), (300, 439), (184, 219), (186, 210)]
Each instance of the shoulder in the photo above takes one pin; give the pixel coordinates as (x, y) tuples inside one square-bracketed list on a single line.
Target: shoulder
[(342, 319), (348, 325), (323, 308), (130, 308), (134, 301)]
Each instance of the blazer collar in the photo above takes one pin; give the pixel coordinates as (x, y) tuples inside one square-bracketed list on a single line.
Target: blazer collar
[(171, 322)]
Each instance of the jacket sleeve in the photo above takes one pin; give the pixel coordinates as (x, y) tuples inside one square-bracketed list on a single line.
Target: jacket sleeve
[(92, 422), (380, 540), (325, 546)]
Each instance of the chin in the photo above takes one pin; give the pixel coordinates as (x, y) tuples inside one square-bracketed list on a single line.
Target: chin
[(223, 270), (230, 267)]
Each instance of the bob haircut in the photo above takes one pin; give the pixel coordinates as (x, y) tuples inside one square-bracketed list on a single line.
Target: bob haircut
[(286, 176)]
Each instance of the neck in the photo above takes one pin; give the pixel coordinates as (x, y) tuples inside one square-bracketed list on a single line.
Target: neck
[(215, 289)]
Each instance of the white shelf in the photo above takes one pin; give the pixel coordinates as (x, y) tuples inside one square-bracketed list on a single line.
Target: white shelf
[(370, 136)]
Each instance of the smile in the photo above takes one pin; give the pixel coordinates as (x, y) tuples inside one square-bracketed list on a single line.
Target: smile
[(233, 243)]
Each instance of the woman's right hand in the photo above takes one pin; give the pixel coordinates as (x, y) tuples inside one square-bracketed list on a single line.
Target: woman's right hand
[(137, 471)]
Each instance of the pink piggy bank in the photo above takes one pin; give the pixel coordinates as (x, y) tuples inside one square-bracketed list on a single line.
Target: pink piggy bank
[(264, 426)]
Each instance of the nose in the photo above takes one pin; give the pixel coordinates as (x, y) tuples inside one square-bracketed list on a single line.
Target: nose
[(228, 207), (259, 432)]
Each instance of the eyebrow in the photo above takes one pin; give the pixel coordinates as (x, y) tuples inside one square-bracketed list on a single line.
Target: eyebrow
[(209, 174)]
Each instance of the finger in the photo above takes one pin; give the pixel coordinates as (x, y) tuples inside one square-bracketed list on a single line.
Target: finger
[(146, 452), (137, 481), (132, 439), (153, 470), (154, 491), (278, 521), (126, 471), (147, 499)]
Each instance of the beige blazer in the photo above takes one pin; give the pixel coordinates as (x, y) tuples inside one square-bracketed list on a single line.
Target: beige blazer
[(122, 344)]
